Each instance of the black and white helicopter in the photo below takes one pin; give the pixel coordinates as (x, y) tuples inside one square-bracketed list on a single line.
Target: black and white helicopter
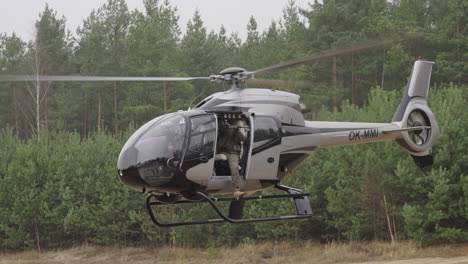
[(173, 158)]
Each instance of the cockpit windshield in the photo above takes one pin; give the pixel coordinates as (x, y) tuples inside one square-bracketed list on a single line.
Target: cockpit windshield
[(160, 140)]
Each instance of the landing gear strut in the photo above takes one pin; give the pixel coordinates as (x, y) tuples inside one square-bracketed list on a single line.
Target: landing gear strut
[(303, 209)]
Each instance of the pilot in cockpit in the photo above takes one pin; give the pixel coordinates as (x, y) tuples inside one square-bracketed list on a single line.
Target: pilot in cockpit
[(175, 138)]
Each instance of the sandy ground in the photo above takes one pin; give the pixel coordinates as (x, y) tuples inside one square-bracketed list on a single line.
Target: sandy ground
[(368, 253), (142, 260), (456, 260)]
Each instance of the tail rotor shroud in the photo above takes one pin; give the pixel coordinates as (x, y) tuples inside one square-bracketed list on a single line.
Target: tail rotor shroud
[(418, 119), (414, 112)]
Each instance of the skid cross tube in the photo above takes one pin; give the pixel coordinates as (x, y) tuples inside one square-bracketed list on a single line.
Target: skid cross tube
[(302, 207)]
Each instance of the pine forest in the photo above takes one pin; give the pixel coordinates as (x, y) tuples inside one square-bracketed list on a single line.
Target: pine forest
[(59, 141)]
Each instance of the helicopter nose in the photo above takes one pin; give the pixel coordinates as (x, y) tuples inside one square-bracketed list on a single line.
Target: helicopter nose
[(148, 176), (138, 175), (150, 156), (132, 179)]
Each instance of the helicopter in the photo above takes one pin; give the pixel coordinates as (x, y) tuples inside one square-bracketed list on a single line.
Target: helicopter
[(175, 158)]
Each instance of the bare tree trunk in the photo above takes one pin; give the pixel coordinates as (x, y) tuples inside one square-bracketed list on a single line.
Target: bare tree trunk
[(394, 227), (374, 223), (458, 47), (165, 97), (85, 114), (388, 219), (46, 111), (116, 127), (383, 70), (99, 111), (15, 105), (36, 235), (353, 80), (394, 223), (38, 90), (458, 41), (37, 95), (335, 85)]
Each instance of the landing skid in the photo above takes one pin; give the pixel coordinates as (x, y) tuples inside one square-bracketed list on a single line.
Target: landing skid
[(301, 201)]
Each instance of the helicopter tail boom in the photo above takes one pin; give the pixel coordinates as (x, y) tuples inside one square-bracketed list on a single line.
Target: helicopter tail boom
[(329, 134), (414, 126)]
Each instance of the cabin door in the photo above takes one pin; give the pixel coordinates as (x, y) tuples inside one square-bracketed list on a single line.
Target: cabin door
[(266, 149), (199, 156)]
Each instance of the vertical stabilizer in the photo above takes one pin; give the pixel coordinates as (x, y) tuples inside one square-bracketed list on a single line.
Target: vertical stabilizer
[(414, 112)]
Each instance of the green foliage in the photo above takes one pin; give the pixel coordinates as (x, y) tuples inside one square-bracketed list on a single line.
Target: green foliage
[(440, 211), (60, 188)]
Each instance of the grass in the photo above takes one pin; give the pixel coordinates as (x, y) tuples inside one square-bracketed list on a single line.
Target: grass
[(284, 252)]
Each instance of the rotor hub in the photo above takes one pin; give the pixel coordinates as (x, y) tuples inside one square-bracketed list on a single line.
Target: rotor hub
[(232, 71), (232, 75)]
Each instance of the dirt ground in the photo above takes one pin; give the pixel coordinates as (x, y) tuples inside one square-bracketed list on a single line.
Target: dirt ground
[(369, 253), (456, 260)]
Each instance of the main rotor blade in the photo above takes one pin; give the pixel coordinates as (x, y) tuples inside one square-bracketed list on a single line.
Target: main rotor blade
[(281, 83), (57, 78), (336, 52)]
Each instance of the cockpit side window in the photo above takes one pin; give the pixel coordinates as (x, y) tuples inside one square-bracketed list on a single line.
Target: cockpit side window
[(202, 136), (265, 131)]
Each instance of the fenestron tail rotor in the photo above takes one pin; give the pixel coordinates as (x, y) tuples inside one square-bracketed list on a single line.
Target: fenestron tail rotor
[(418, 119)]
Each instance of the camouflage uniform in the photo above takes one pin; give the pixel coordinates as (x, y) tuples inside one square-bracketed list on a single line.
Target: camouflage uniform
[(230, 144)]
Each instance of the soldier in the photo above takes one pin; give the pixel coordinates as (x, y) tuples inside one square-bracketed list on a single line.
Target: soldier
[(231, 142)]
